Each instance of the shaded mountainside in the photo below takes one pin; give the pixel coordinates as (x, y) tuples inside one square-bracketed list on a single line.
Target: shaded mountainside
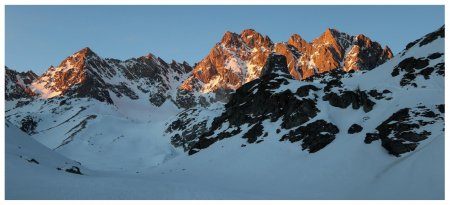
[(17, 84), (316, 111), (22, 150), (277, 99)]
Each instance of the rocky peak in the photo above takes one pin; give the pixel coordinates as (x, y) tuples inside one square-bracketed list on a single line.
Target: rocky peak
[(235, 60), (17, 84), (248, 33), (363, 40), (337, 50), (150, 56), (299, 43), (254, 39), (79, 58), (365, 54), (85, 74), (181, 68), (29, 76), (82, 67), (76, 67), (238, 59), (187, 66), (86, 51), (230, 39), (332, 36), (295, 39), (334, 41), (387, 53)]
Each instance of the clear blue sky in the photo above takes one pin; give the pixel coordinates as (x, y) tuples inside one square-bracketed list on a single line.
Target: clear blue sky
[(40, 36)]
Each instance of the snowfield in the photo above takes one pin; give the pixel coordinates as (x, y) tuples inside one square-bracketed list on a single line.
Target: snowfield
[(271, 170)]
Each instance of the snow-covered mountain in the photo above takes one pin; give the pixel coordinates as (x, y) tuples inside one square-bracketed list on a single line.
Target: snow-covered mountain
[(17, 84), (238, 59), (372, 133), (77, 107), (314, 111), (85, 74)]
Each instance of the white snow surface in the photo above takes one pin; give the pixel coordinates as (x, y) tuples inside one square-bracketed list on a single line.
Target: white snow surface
[(271, 170), (126, 136)]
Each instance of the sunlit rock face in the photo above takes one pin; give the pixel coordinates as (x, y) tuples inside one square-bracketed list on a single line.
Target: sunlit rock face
[(85, 74), (239, 58)]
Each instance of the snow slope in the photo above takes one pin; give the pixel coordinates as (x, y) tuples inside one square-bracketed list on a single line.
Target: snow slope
[(88, 131), (271, 170)]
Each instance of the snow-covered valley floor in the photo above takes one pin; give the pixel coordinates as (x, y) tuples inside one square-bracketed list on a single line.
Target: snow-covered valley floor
[(267, 171)]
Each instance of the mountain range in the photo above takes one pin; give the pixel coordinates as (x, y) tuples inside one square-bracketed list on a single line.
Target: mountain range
[(339, 117)]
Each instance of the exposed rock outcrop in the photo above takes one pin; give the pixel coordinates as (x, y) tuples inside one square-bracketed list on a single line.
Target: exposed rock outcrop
[(85, 74), (261, 100), (402, 131), (17, 84), (238, 59)]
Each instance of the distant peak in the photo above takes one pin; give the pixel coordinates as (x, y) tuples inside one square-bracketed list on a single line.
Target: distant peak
[(229, 34), (295, 38), (387, 52), (362, 37), (150, 56), (86, 49), (230, 38), (331, 32), (84, 53), (334, 37), (249, 32), (387, 48), (79, 57), (363, 40), (255, 39)]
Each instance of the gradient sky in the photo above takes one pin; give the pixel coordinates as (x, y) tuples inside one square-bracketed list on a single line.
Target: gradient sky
[(39, 36)]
